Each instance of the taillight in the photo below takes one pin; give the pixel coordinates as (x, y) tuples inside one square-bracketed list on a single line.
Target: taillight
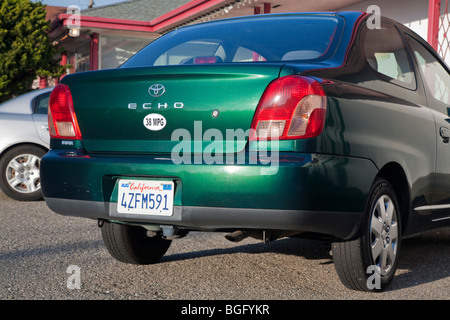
[(62, 121), (292, 107)]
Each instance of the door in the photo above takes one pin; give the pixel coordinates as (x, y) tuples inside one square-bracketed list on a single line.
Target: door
[(436, 78)]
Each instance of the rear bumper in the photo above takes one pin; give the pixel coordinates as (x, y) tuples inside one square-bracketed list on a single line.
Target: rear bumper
[(341, 225), (304, 192)]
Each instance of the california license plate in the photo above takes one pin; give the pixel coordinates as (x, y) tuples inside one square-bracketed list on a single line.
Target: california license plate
[(150, 197)]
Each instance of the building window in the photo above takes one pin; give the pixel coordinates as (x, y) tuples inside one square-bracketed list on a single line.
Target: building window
[(81, 56), (115, 50)]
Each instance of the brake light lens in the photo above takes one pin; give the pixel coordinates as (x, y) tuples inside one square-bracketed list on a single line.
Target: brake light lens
[(62, 121), (205, 60), (292, 107)]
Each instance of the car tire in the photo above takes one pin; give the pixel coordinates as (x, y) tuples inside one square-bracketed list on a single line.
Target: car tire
[(369, 262), (132, 244), (20, 173)]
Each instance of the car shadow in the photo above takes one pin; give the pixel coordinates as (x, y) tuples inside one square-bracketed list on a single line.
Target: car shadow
[(310, 249), (50, 250), (424, 258)]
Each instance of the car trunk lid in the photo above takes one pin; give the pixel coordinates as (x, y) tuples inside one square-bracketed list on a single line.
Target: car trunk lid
[(150, 110)]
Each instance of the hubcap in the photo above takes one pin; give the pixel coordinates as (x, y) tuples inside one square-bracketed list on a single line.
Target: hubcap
[(384, 234), (22, 173)]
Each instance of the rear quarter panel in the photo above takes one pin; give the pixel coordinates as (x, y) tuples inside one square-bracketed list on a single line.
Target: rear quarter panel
[(17, 129), (372, 118), (385, 129)]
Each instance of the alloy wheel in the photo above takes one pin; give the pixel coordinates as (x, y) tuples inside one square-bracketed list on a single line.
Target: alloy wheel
[(384, 234), (22, 173)]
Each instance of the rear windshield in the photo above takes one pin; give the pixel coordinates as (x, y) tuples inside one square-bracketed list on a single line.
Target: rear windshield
[(264, 39)]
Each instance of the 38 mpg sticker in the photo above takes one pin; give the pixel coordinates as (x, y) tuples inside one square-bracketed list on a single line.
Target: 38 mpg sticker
[(154, 122)]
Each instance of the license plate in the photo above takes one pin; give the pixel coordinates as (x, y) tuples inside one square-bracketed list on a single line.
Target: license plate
[(148, 197)]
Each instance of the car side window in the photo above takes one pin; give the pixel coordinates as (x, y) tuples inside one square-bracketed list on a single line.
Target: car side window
[(434, 74), (385, 54), (41, 103)]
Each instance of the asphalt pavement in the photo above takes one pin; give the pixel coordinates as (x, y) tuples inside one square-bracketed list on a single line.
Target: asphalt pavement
[(45, 256)]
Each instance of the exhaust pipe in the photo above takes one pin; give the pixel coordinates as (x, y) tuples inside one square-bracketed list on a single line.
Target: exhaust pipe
[(237, 236), (265, 235)]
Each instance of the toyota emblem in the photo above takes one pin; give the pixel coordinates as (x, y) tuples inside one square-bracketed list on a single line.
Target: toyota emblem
[(156, 90)]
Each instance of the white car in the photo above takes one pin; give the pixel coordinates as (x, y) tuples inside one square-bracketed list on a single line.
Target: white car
[(24, 140)]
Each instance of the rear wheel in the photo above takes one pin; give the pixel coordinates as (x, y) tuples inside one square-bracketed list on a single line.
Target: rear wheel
[(133, 244), (369, 262), (20, 173)]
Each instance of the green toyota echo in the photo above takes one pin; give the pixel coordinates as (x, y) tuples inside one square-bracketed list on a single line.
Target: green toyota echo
[(321, 125)]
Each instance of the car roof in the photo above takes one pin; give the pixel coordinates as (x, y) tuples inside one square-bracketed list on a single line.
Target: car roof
[(22, 104)]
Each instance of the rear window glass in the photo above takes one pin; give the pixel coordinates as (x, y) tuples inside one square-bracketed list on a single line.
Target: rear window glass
[(265, 39)]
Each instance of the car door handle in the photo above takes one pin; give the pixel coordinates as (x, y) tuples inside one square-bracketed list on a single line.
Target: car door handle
[(445, 134)]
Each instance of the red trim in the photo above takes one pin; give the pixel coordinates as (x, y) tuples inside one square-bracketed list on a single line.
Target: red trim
[(64, 16), (63, 62), (63, 58), (434, 12), (42, 82), (109, 23), (352, 40), (180, 10), (186, 11), (265, 9), (94, 52)]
